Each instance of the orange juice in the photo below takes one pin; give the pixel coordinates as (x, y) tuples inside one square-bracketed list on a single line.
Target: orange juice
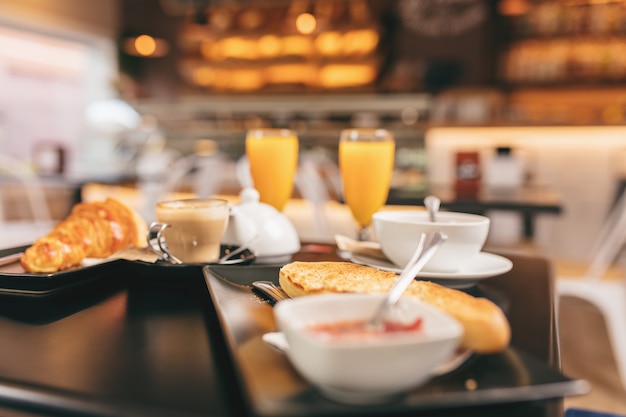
[(273, 162), (366, 169)]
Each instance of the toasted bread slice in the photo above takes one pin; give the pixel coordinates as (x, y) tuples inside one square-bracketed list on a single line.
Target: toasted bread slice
[(486, 328)]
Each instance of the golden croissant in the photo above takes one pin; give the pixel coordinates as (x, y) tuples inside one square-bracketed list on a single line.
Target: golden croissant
[(92, 230)]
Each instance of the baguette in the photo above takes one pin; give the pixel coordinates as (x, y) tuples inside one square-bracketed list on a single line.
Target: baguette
[(92, 230), (486, 328)]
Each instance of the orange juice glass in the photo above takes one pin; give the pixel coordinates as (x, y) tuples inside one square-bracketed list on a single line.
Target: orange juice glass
[(273, 158), (366, 159)]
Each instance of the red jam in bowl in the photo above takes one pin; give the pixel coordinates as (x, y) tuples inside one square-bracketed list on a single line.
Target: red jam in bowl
[(357, 329)]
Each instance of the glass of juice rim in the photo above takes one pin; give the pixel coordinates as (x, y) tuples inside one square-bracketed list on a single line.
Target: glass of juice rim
[(259, 133), (366, 134)]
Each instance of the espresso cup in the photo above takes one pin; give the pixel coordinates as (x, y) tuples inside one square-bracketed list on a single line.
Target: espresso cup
[(189, 231)]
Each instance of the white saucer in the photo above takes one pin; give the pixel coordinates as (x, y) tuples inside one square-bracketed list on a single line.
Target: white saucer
[(278, 341), (484, 265)]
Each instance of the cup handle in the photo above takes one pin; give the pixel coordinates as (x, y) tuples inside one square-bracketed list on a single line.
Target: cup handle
[(157, 243)]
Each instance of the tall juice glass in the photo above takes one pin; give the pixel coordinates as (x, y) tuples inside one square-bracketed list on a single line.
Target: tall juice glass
[(273, 158), (366, 162)]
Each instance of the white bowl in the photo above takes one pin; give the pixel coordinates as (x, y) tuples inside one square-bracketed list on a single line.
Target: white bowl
[(369, 370), (398, 233)]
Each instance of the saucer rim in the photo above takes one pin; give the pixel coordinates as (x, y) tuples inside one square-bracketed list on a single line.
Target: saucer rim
[(507, 265)]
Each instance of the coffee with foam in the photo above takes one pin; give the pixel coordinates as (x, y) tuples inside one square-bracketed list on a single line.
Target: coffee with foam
[(196, 227)]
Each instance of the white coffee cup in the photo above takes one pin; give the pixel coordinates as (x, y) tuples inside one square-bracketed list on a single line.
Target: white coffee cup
[(398, 233), (190, 230)]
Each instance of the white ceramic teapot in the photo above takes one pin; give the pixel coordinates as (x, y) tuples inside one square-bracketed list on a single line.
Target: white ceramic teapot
[(267, 232)]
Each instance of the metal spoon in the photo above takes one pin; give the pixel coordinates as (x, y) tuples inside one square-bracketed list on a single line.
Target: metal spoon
[(426, 247), (272, 291), (432, 204), (229, 258)]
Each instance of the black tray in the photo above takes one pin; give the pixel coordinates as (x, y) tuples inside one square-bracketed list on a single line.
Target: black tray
[(16, 283), (183, 277), (45, 298), (272, 387)]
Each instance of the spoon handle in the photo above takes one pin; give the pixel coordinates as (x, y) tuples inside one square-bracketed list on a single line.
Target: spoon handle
[(432, 204), (271, 290), (426, 247)]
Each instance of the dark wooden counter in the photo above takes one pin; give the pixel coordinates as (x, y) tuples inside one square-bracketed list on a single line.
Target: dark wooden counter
[(528, 201)]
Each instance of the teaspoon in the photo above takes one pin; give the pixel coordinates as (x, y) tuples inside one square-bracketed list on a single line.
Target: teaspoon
[(426, 247), (432, 204)]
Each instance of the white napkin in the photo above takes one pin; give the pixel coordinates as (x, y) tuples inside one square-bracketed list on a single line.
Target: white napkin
[(130, 253), (367, 248)]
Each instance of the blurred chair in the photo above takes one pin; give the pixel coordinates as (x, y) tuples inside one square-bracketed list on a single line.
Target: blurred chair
[(609, 296), (36, 218), (318, 180)]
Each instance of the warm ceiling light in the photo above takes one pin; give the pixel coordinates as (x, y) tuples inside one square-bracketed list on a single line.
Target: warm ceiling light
[(329, 43), (203, 76), (146, 46), (306, 23), (270, 45), (296, 73), (347, 75), (241, 79), (297, 45), (361, 41), (238, 47), (513, 7)]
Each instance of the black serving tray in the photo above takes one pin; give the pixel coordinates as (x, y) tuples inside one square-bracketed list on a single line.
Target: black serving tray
[(45, 298), (511, 382), (16, 283), (181, 277)]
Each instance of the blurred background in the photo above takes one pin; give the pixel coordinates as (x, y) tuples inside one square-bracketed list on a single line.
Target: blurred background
[(120, 92)]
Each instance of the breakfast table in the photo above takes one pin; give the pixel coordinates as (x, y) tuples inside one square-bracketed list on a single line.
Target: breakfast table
[(128, 338)]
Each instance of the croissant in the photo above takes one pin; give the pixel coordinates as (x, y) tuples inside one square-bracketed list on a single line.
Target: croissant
[(92, 230)]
